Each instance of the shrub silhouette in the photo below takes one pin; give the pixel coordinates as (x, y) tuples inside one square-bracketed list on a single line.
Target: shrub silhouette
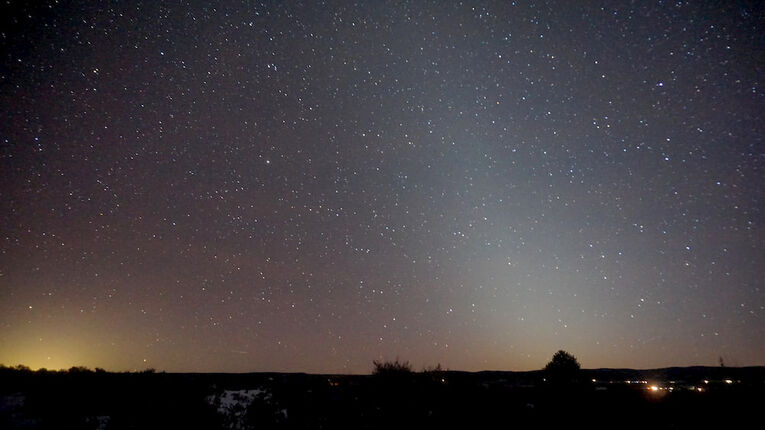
[(562, 369), (391, 368), (435, 370)]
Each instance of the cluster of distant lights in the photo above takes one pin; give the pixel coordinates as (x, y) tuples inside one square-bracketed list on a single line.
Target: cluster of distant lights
[(658, 388), (655, 388)]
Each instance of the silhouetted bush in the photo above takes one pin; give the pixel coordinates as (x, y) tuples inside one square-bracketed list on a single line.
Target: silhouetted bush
[(396, 367), (435, 374), (437, 369)]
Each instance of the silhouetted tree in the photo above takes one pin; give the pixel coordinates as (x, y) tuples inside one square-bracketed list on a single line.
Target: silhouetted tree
[(562, 369)]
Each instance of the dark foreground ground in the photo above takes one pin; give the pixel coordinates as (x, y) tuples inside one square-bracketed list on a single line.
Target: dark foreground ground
[(664, 398)]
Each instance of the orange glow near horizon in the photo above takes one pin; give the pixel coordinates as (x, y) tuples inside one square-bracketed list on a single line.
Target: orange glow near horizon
[(57, 347)]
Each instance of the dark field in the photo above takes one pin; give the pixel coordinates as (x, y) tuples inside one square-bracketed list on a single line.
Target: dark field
[(83, 399)]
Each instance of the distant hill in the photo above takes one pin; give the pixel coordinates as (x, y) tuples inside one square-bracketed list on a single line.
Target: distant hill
[(691, 374), (673, 396)]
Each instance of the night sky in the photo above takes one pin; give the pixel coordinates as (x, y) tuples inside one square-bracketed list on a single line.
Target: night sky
[(313, 186)]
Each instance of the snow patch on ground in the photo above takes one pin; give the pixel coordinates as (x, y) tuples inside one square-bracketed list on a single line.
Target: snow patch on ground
[(233, 404), (236, 400), (11, 402), (100, 421)]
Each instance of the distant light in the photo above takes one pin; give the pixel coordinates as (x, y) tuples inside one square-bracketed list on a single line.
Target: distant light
[(706, 381), (728, 381), (699, 389), (653, 388), (594, 380)]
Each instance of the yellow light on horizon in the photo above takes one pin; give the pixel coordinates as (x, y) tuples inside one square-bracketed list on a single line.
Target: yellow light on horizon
[(52, 351)]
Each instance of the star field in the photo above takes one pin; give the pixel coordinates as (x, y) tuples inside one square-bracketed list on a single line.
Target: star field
[(312, 186)]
